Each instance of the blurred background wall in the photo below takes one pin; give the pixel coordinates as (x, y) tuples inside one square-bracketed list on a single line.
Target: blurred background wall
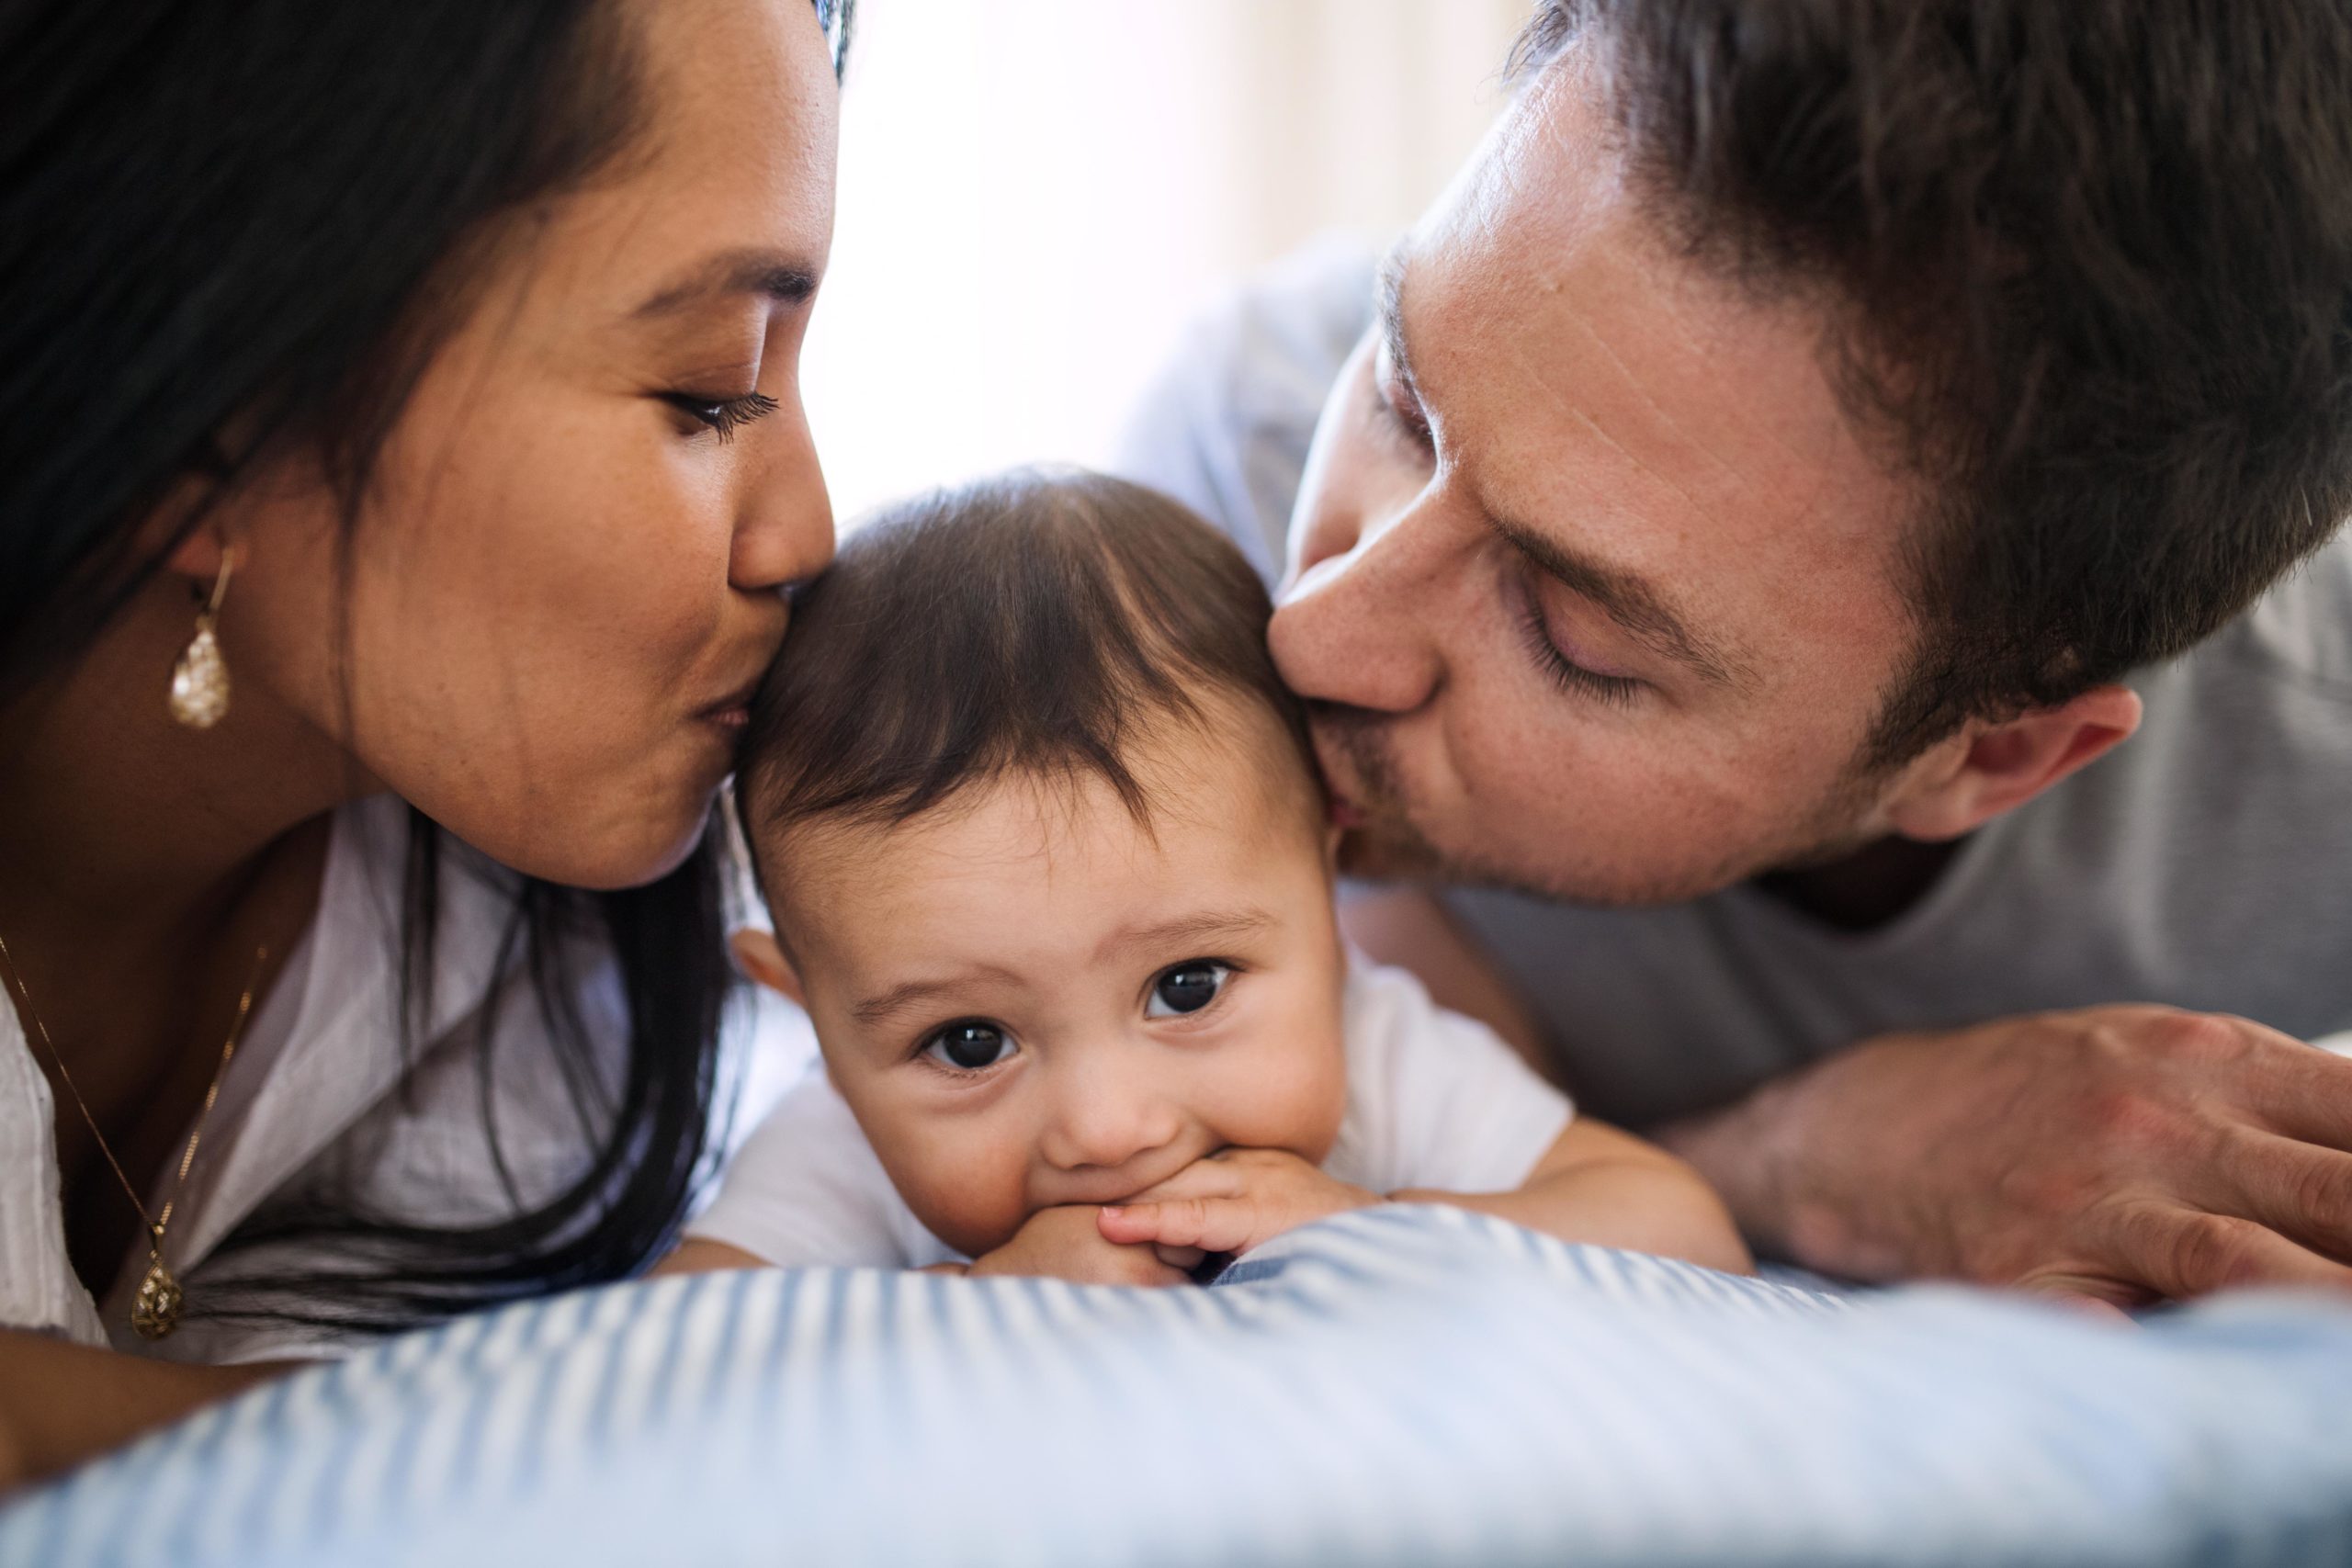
[(1036, 195)]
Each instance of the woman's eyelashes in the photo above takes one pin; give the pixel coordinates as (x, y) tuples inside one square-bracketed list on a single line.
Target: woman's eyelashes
[(724, 416), (1187, 988), (970, 1045)]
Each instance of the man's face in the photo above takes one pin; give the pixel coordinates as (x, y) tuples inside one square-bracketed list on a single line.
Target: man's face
[(1594, 585)]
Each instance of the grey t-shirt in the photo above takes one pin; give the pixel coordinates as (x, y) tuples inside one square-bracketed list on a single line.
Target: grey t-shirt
[(2206, 863)]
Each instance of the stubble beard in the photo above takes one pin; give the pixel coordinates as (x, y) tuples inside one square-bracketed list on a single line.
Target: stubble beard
[(1389, 847)]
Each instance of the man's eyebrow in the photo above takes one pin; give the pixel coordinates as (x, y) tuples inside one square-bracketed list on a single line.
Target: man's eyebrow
[(1185, 929), (886, 1005), (776, 275), (1625, 599)]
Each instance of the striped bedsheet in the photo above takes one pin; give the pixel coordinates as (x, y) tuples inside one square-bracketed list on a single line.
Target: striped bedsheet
[(1400, 1385)]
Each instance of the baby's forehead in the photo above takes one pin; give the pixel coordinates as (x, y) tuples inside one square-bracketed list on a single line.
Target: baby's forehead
[(1203, 806)]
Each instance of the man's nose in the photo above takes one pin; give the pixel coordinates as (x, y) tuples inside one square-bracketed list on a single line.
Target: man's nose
[(1101, 1122), (1355, 626)]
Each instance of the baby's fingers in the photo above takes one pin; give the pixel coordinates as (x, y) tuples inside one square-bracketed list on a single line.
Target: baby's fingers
[(1213, 1225)]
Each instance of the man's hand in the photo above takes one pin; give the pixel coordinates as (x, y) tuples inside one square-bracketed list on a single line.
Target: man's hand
[(1064, 1244), (1232, 1201), (2117, 1154)]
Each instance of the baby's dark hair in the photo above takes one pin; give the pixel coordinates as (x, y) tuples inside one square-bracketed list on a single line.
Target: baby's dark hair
[(1031, 623)]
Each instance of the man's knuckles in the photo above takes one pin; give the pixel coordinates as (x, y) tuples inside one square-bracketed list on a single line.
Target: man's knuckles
[(2152, 1120), (2194, 1253), (2199, 1040), (2051, 1190), (2321, 1190)]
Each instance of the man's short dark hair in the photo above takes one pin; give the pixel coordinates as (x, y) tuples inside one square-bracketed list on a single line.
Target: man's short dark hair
[(1030, 625), (2089, 261)]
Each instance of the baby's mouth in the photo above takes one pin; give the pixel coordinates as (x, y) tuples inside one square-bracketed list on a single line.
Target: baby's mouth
[(1119, 1184)]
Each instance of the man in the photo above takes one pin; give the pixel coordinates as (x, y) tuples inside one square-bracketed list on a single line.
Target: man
[(1762, 500)]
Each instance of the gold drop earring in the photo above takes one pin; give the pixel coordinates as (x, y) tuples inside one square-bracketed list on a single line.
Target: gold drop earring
[(201, 679)]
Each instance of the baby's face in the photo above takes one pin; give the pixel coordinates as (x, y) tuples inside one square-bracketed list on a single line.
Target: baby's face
[(1030, 998)]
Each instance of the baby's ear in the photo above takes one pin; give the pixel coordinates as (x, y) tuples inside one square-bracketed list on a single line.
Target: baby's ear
[(759, 955)]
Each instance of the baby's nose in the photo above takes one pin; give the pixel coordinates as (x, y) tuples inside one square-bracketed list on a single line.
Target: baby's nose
[(1106, 1125)]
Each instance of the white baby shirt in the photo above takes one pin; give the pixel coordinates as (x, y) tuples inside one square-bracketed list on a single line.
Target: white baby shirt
[(1434, 1100)]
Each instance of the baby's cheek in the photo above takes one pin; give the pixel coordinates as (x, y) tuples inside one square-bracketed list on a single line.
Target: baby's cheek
[(1292, 1098), (971, 1196)]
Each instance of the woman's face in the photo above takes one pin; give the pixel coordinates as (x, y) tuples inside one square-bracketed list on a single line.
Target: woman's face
[(565, 581)]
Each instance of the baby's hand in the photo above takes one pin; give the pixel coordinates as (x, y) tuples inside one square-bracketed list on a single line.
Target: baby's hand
[(1067, 1244), (1231, 1201)]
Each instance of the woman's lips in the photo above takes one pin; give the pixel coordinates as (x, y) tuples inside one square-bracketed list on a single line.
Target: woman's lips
[(732, 712), (1347, 814)]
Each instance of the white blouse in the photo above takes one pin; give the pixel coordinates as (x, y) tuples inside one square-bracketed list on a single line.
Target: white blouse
[(315, 1105)]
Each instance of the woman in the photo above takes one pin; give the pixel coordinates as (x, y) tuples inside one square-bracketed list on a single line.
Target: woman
[(400, 463)]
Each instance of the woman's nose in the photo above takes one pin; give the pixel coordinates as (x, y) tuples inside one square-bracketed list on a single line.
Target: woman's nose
[(1354, 626), (784, 531)]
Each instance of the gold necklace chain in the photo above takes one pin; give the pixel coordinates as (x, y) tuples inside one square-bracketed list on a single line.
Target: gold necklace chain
[(155, 1310)]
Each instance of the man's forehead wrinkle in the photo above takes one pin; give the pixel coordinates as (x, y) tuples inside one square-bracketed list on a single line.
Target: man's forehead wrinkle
[(1642, 389), (1564, 401), (1662, 252), (1567, 124)]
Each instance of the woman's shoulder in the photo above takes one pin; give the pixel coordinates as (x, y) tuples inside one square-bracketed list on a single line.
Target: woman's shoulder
[(37, 1287)]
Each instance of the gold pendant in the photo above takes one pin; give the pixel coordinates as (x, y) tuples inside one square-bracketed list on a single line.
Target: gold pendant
[(155, 1310)]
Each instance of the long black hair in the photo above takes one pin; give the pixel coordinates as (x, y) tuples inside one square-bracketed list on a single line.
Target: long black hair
[(226, 229)]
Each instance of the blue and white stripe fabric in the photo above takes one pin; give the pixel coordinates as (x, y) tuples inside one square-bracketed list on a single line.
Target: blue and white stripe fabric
[(1400, 1385)]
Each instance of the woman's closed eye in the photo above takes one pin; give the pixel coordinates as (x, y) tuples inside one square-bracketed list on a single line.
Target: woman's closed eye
[(970, 1045), (1187, 988), (724, 416)]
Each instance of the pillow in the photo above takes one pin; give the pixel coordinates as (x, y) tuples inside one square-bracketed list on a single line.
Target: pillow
[(1396, 1385)]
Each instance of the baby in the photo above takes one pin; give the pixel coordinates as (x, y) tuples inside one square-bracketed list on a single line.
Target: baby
[(1051, 870)]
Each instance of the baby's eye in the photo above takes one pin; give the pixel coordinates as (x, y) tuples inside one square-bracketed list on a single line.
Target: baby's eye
[(970, 1046), (1188, 988)]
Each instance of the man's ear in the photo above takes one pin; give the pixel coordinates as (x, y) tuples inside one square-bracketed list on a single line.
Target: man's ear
[(760, 956), (1999, 767)]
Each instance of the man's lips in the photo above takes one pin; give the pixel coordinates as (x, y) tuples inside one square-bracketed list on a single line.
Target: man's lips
[(1339, 785)]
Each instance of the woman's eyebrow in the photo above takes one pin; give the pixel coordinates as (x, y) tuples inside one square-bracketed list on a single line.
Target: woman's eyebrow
[(779, 276)]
